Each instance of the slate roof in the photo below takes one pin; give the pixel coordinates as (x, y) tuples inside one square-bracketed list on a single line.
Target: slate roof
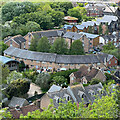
[(62, 94), (24, 110), (17, 101), (54, 88), (80, 27), (83, 71), (67, 26), (18, 38), (77, 93), (88, 23), (5, 60), (89, 35), (48, 33), (72, 35), (51, 57)]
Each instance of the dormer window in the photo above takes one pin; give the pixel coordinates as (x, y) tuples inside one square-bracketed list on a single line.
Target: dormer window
[(10, 42), (91, 92), (81, 94), (67, 97), (57, 99)]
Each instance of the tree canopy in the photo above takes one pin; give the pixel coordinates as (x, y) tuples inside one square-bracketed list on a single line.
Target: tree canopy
[(59, 46), (77, 48)]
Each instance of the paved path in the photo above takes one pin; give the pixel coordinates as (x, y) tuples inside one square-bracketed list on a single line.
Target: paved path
[(32, 90)]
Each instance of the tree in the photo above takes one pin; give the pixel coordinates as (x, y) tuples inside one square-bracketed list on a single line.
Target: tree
[(42, 80), (77, 48), (100, 29), (43, 45), (106, 29), (21, 66), (32, 26), (13, 76), (59, 46), (4, 72), (60, 80), (2, 47), (80, 4), (18, 87), (34, 43), (94, 81), (108, 46), (90, 29), (12, 9), (57, 17)]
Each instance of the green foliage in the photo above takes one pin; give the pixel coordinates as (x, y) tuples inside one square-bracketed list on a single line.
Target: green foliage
[(60, 80), (86, 3), (94, 81), (57, 17), (90, 29), (77, 48), (61, 6), (42, 80), (65, 74), (18, 87), (59, 46), (32, 26), (4, 114), (108, 46), (43, 45), (13, 76), (81, 4), (30, 74), (4, 72), (21, 66), (2, 47), (34, 43), (107, 31), (12, 9), (100, 30)]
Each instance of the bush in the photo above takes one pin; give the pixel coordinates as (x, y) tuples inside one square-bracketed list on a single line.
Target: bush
[(64, 74), (42, 80), (60, 80), (94, 81), (18, 87), (14, 76), (31, 74)]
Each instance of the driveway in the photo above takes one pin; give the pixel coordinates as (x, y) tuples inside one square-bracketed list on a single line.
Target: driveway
[(32, 90)]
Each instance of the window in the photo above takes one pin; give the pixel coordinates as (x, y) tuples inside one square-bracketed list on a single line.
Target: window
[(65, 64), (109, 62), (58, 100), (68, 98), (115, 61), (31, 60), (72, 78), (98, 63)]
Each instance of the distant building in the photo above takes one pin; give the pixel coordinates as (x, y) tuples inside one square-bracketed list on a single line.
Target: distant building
[(52, 61), (75, 93), (17, 41), (11, 63), (95, 9), (86, 74), (50, 34), (70, 20)]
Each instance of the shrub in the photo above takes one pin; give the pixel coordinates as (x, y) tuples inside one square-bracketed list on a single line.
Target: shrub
[(60, 80), (18, 87), (94, 81), (42, 80)]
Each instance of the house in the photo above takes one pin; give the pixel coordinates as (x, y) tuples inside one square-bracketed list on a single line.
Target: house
[(91, 42), (52, 61), (17, 41), (50, 34), (16, 112), (112, 22), (95, 9), (76, 93), (109, 10), (86, 74), (67, 27), (107, 59), (111, 38), (17, 101), (70, 20), (70, 37), (11, 63)]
